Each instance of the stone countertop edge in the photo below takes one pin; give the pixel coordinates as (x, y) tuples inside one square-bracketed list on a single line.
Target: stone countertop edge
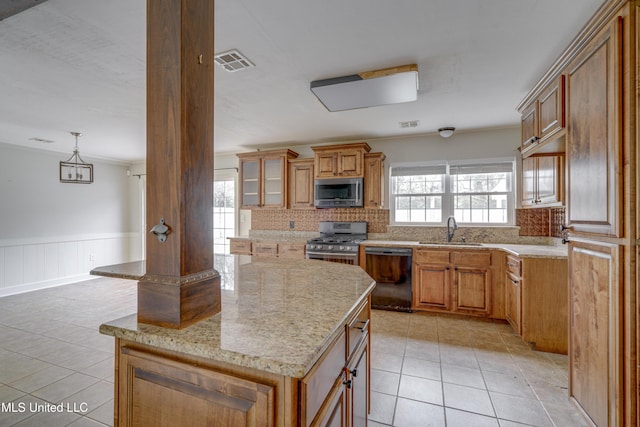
[(521, 250)]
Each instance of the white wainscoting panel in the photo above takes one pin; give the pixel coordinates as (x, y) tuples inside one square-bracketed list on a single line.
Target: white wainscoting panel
[(29, 264)]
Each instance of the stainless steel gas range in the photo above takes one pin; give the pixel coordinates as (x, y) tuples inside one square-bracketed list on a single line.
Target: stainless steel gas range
[(338, 242)]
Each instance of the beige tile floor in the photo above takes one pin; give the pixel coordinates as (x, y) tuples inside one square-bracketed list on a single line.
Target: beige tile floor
[(443, 370), (427, 370)]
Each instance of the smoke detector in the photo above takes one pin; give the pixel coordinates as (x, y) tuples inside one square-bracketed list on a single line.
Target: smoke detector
[(232, 61)]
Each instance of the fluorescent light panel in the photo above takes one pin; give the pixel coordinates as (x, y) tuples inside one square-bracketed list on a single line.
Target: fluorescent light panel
[(370, 89)]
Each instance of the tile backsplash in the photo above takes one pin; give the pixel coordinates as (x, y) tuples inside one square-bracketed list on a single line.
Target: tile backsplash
[(540, 221), (531, 224), (308, 219)]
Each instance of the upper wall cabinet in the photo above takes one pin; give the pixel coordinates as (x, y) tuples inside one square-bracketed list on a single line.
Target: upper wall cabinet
[(543, 181), (594, 168), (263, 178), (338, 161), (543, 121), (373, 180), (301, 183)]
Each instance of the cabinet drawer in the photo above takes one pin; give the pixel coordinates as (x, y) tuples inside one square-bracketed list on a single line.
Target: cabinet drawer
[(265, 249), (315, 387), (471, 258), (291, 250), (240, 247), (357, 329), (514, 265), (431, 256)]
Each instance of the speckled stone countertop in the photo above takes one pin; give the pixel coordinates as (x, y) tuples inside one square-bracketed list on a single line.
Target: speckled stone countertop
[(525, 251), (283, 238), (278, 315)]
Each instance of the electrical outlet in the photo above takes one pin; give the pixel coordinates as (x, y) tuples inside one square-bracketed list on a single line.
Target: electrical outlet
[(292, 224), (92, 257)]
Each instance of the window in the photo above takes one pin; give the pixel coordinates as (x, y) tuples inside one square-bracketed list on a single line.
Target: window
[(224, 212), (474, 193)]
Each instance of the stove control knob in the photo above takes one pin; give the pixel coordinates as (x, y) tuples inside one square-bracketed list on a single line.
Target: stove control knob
[(342, 248)]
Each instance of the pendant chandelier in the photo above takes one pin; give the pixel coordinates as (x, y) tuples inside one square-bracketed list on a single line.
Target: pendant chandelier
[(75, 170)]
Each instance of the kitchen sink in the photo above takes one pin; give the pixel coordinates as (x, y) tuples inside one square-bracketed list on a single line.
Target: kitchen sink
[(451, 243)]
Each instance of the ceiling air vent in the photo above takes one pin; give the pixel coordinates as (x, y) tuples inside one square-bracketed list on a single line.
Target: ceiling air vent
[(409, 124), (233, 61)]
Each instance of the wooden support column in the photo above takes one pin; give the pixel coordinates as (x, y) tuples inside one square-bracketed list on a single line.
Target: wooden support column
[(180, 286)]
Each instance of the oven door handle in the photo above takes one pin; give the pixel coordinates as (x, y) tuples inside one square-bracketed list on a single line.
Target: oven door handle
[(333, 254)]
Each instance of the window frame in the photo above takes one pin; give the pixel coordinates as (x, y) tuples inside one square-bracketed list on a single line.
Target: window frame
[(448, 197)]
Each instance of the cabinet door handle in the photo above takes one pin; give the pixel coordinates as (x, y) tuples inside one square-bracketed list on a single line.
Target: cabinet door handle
[(565, 227), (531, 140), (565, 241), (354, 372), (365, 323), (347, 383)]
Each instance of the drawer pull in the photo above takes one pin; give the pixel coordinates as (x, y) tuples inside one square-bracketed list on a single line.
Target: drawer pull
[(365, 323)]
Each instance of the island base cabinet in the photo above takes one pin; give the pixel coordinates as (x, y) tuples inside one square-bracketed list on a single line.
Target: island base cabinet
[(156, 391)]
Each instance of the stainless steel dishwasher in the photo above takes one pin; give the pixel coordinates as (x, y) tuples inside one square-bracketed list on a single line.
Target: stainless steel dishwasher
[(391, 269)]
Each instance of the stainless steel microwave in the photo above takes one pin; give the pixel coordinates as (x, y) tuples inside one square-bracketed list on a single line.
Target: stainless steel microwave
[(338, 193)]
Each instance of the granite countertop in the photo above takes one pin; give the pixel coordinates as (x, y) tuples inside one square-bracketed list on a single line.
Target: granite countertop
[(525, 251), (274, 239), (278, 315)]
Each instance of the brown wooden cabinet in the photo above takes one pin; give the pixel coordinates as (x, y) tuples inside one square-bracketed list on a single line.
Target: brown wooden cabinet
[(301, 178), (457, 281), (543, 120), (543, 181), (268, 249), (160, 387), (240, 246), (159, 391), (602, 92), (594, 181), (343, 160), (595, 381), (336, 391), (246, 246), (536, 297), (513, 309), (432, 287), (374, 180), (513, 300), (263, 178)]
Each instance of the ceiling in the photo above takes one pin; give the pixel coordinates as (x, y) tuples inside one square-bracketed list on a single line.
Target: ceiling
[(79, 65)]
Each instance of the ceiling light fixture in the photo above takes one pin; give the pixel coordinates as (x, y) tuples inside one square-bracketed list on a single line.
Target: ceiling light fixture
[(369, 89), (446, 132), (75, 170)]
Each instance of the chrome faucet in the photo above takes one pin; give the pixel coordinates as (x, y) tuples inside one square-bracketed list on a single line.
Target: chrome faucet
[(451, 229)]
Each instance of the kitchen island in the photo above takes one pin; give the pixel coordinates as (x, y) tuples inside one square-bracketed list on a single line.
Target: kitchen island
[(283, 351)]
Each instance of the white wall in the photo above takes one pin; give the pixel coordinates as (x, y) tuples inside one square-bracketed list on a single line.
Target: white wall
[(479, 144), (53, 233)]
